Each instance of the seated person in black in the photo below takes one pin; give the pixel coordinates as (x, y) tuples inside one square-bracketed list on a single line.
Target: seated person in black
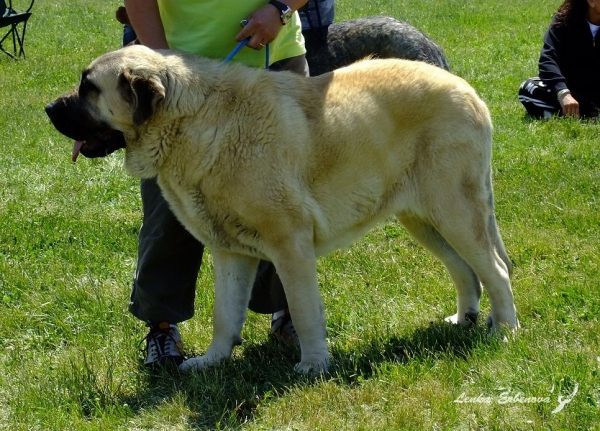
[(569, 65)]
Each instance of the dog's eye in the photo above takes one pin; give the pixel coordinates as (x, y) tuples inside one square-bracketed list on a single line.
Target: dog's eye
[(86, 86)]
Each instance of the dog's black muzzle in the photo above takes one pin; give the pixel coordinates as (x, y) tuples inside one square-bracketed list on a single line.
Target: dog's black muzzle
[(70, 118)]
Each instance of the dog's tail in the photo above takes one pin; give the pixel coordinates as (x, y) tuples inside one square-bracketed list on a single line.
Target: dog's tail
[(494, 232)]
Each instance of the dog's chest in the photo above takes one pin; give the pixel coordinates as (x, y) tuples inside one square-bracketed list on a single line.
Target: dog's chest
[(208, 217)]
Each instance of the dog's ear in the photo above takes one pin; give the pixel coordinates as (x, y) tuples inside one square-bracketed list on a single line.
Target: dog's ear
[(144, 93)]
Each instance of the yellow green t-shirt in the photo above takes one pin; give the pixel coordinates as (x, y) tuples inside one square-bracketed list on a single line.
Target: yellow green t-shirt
[(209, 27)]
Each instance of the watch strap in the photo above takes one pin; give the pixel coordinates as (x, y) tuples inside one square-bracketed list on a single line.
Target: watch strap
[(285, 10)]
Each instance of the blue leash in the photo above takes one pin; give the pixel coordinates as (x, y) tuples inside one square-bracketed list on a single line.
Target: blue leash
[(232, 54), (242, 44)]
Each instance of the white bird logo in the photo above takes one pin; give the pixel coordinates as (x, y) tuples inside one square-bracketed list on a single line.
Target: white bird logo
[(562, 402)]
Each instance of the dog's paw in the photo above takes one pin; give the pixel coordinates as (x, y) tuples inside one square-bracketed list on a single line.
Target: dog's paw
[(312, 368), (196, 363), (468, 320), (502, 330)]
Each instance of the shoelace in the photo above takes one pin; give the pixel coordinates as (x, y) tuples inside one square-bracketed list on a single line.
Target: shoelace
[(284, 324), (156, 340)]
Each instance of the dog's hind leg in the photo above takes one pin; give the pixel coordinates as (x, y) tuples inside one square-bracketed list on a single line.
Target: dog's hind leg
[(466, 281), (234, 277), (468, 232)]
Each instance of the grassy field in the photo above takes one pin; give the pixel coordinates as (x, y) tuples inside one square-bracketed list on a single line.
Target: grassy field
[(70, 352)]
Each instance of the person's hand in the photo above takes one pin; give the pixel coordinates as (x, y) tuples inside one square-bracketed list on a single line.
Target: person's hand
[(262, 28), (570, 106)]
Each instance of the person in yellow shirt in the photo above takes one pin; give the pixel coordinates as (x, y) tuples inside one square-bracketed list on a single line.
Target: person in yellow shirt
[(169, 258)]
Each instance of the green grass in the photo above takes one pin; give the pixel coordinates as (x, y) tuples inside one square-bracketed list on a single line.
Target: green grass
[(69, 350)]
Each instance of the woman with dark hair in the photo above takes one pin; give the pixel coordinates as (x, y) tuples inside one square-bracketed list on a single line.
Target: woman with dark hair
[(569, 64)]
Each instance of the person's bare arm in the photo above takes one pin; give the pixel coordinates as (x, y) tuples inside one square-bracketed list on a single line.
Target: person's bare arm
[(145, 19), (264, 24)]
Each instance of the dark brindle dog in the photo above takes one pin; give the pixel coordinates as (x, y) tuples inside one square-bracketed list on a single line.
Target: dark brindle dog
[(347, 42), (378, 36)]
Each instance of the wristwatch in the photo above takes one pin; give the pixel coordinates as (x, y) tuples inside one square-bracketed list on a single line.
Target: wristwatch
[(286, 11)]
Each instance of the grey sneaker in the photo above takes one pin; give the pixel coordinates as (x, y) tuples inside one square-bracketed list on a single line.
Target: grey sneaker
[(163, 346), (283, 328)]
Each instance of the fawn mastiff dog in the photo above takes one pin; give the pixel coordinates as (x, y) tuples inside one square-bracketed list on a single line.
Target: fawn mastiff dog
[(276, 166)]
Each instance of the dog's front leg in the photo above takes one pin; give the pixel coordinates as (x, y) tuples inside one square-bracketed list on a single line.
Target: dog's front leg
[(234, 277), (298, 273)]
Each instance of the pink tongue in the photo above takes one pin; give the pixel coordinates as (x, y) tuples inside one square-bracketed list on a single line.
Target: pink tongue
[(76, 148)]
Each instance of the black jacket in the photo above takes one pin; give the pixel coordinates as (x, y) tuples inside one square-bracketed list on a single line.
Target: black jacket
[(570, 58)]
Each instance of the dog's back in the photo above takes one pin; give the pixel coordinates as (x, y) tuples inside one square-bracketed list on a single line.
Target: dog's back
[(378, 128), (379, 37)]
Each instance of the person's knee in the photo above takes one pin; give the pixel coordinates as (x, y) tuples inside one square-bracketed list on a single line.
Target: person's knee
[(296, 64)]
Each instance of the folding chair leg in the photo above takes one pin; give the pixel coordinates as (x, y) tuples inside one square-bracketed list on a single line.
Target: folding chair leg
[(17, 39), (18, 35), (6, 52), (14, 33), (2, 47), (21, 40)]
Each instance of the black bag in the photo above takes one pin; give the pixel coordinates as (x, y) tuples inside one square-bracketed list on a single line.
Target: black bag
[(538, 99)]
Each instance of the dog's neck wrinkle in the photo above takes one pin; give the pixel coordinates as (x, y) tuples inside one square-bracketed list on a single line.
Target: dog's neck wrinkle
[(188, 76), (179, 91), (145, 161)]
